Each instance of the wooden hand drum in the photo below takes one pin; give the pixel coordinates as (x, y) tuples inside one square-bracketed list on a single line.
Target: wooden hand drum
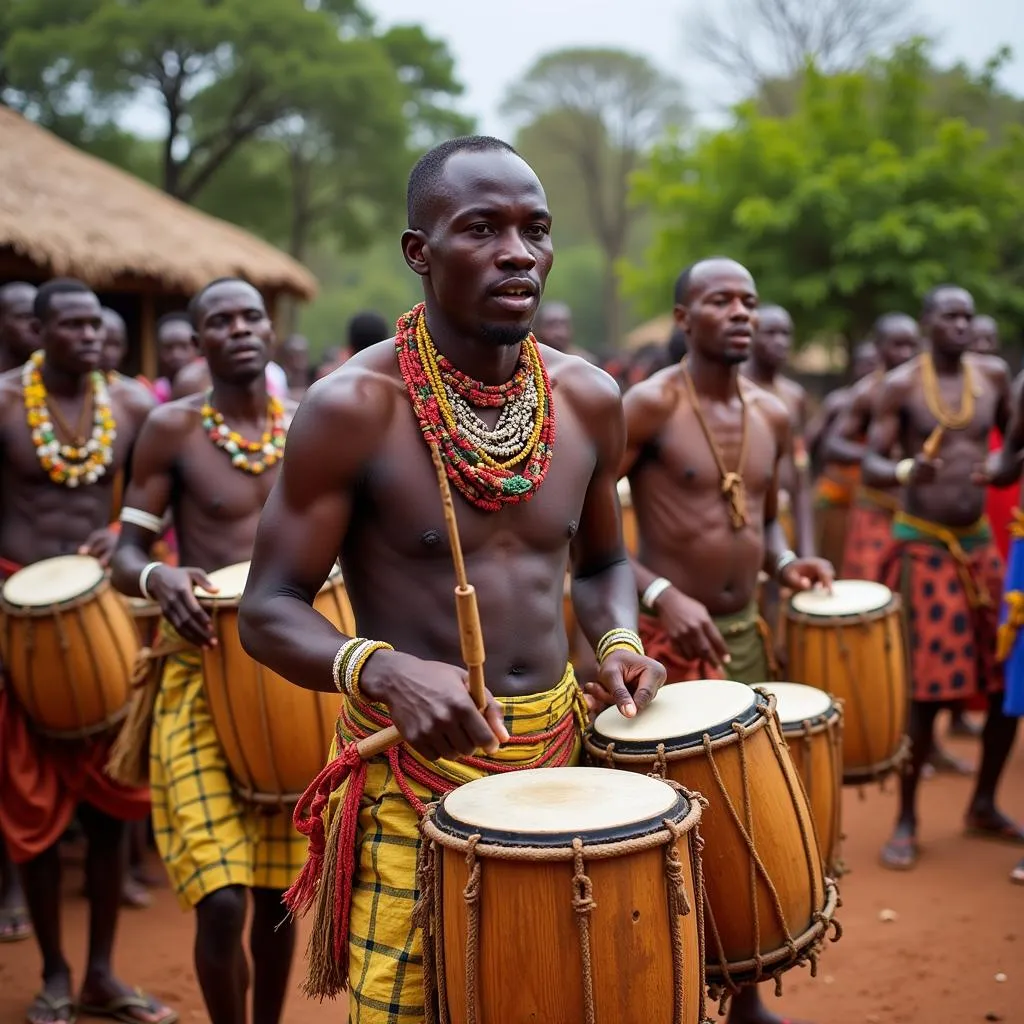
[(850, 644), (768, 903), (812, 724), (563, 895), (68, 646), (276, 735)]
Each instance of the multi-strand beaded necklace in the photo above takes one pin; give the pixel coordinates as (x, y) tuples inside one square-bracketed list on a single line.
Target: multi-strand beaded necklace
[(481, 461), (84, 460), (253, 457)]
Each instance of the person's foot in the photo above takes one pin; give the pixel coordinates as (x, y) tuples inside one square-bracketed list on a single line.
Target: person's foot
[(964, 728), (134, 894), (15, 925), (943, 762), (111, 999), (901, 852), (992, 824), (151, 878), (53, 1003), (746, 1008)]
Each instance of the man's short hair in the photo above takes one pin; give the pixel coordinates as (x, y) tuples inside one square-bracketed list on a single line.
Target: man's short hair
[(43, 304), (366, 329), (425, 176), (196, 302), (174, 317)]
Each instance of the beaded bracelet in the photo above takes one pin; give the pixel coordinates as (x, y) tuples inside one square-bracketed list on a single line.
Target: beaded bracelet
[(616, 640), (349, 661)]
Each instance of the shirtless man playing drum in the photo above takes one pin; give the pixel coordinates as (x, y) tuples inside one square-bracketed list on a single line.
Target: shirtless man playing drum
[(41, 516), (944, 561), (192, 458), (479, 237), (704, 447)]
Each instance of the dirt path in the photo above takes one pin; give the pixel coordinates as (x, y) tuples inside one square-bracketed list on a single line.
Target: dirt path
[(958, 923)]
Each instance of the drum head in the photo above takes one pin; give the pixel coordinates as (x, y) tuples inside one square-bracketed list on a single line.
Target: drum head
[(230, 582), (52, 581), (798, 703), (678, 711), (554, 805), (848, 597)]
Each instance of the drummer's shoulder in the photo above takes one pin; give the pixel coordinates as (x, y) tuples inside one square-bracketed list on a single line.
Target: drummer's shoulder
[(764, 402), (900, 382), (993, 367), (363, 390), (176, 418), (657, 395), (132, 395)]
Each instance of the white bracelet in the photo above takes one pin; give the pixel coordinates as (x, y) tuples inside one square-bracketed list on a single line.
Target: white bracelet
[(654, 590), (903, 470), (144, 578), (786, 558), (137, 517)]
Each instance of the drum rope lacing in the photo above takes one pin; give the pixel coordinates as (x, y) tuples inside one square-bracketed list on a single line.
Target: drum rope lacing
[(429, 906)]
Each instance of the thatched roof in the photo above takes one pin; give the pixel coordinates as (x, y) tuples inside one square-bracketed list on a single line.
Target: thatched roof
[(73, 214)]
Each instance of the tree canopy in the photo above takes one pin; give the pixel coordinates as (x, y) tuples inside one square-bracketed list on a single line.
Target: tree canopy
[(855, 205)]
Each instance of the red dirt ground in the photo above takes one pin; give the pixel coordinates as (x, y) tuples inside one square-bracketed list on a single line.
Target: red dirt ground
[(958, 924)]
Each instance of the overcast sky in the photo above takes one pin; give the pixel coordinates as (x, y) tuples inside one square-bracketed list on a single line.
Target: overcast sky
[(495, 43)]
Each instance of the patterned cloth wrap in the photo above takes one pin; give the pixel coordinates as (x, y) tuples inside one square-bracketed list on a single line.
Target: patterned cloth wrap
[(208, 837), (950, 581), (746, 635), (42, 781), (385, 958), (1010, 648), (868, 534)]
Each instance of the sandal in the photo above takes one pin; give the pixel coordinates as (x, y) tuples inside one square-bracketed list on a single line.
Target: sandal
[(899, 854), (51, 1010), (132, 1008), (15, 925)]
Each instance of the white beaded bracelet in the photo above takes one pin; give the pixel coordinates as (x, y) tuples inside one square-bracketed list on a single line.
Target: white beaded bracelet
[(144, 579), (655, 589), (138, 517)]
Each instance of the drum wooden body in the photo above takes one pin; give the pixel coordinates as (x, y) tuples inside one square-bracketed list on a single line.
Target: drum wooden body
[(630, 533), (146, 616), (850, 644), (812, 724), (557, 889), (276, 736), (768, 902), (69, 646)]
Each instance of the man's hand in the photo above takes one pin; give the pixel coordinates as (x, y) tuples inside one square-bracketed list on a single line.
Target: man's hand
[(627, 680), (690, 628), (994, 472), (804, 573), (172, 589), (925, 470), (430, 704), (100, 544)]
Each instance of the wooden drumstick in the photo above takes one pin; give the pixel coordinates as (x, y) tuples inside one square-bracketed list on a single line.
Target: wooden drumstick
[(471, 637), (934, 441)]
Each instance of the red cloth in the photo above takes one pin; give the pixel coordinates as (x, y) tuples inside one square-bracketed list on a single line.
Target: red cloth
[(658, 646), (868, 539), (43, 780), (951, 646), (1000, 503)]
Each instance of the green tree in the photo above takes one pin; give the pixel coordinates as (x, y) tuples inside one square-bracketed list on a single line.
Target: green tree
[(853, 206), (601, 109)]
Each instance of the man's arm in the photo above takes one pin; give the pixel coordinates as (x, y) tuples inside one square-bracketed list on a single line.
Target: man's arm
[(1004, 466), (879, 468), (840, 443), (821, 422), (301, 530)]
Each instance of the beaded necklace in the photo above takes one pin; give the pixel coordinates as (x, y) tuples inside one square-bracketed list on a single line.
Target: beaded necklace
[(83, 461), (933, 396), (480, 461), (253, 457)]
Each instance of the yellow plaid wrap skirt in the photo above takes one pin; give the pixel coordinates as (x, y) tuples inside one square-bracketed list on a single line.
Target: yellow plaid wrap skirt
[(207, 835), (385, 951)]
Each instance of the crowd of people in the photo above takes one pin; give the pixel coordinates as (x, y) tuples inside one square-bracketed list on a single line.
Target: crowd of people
[(242, 450)]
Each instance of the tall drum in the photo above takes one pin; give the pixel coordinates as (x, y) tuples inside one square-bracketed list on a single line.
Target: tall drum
[(276, 736), (563, 896), (68, 646), (850, 644), (812, 724), (768, 903), (630, 531)]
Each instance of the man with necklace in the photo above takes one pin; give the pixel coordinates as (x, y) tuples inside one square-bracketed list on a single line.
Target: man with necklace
[(65, 434), (531, 440), (18, 338), (212, 459), (938, 411), (704, 450)]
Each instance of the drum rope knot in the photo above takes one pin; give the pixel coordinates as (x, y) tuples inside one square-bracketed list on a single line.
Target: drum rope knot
[(583, 903)]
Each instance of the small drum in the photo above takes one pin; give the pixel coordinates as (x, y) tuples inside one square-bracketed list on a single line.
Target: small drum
[(276, 736), (630, 534), (146, 616), (768, 902), (69, 646), (850, 644), (812, 724), (563, 895)]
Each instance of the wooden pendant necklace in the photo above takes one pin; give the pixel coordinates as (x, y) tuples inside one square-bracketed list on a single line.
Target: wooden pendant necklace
[(947, 419), (733, 490)]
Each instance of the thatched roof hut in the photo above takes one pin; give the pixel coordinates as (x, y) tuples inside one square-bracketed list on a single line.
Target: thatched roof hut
[(66, 213)]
